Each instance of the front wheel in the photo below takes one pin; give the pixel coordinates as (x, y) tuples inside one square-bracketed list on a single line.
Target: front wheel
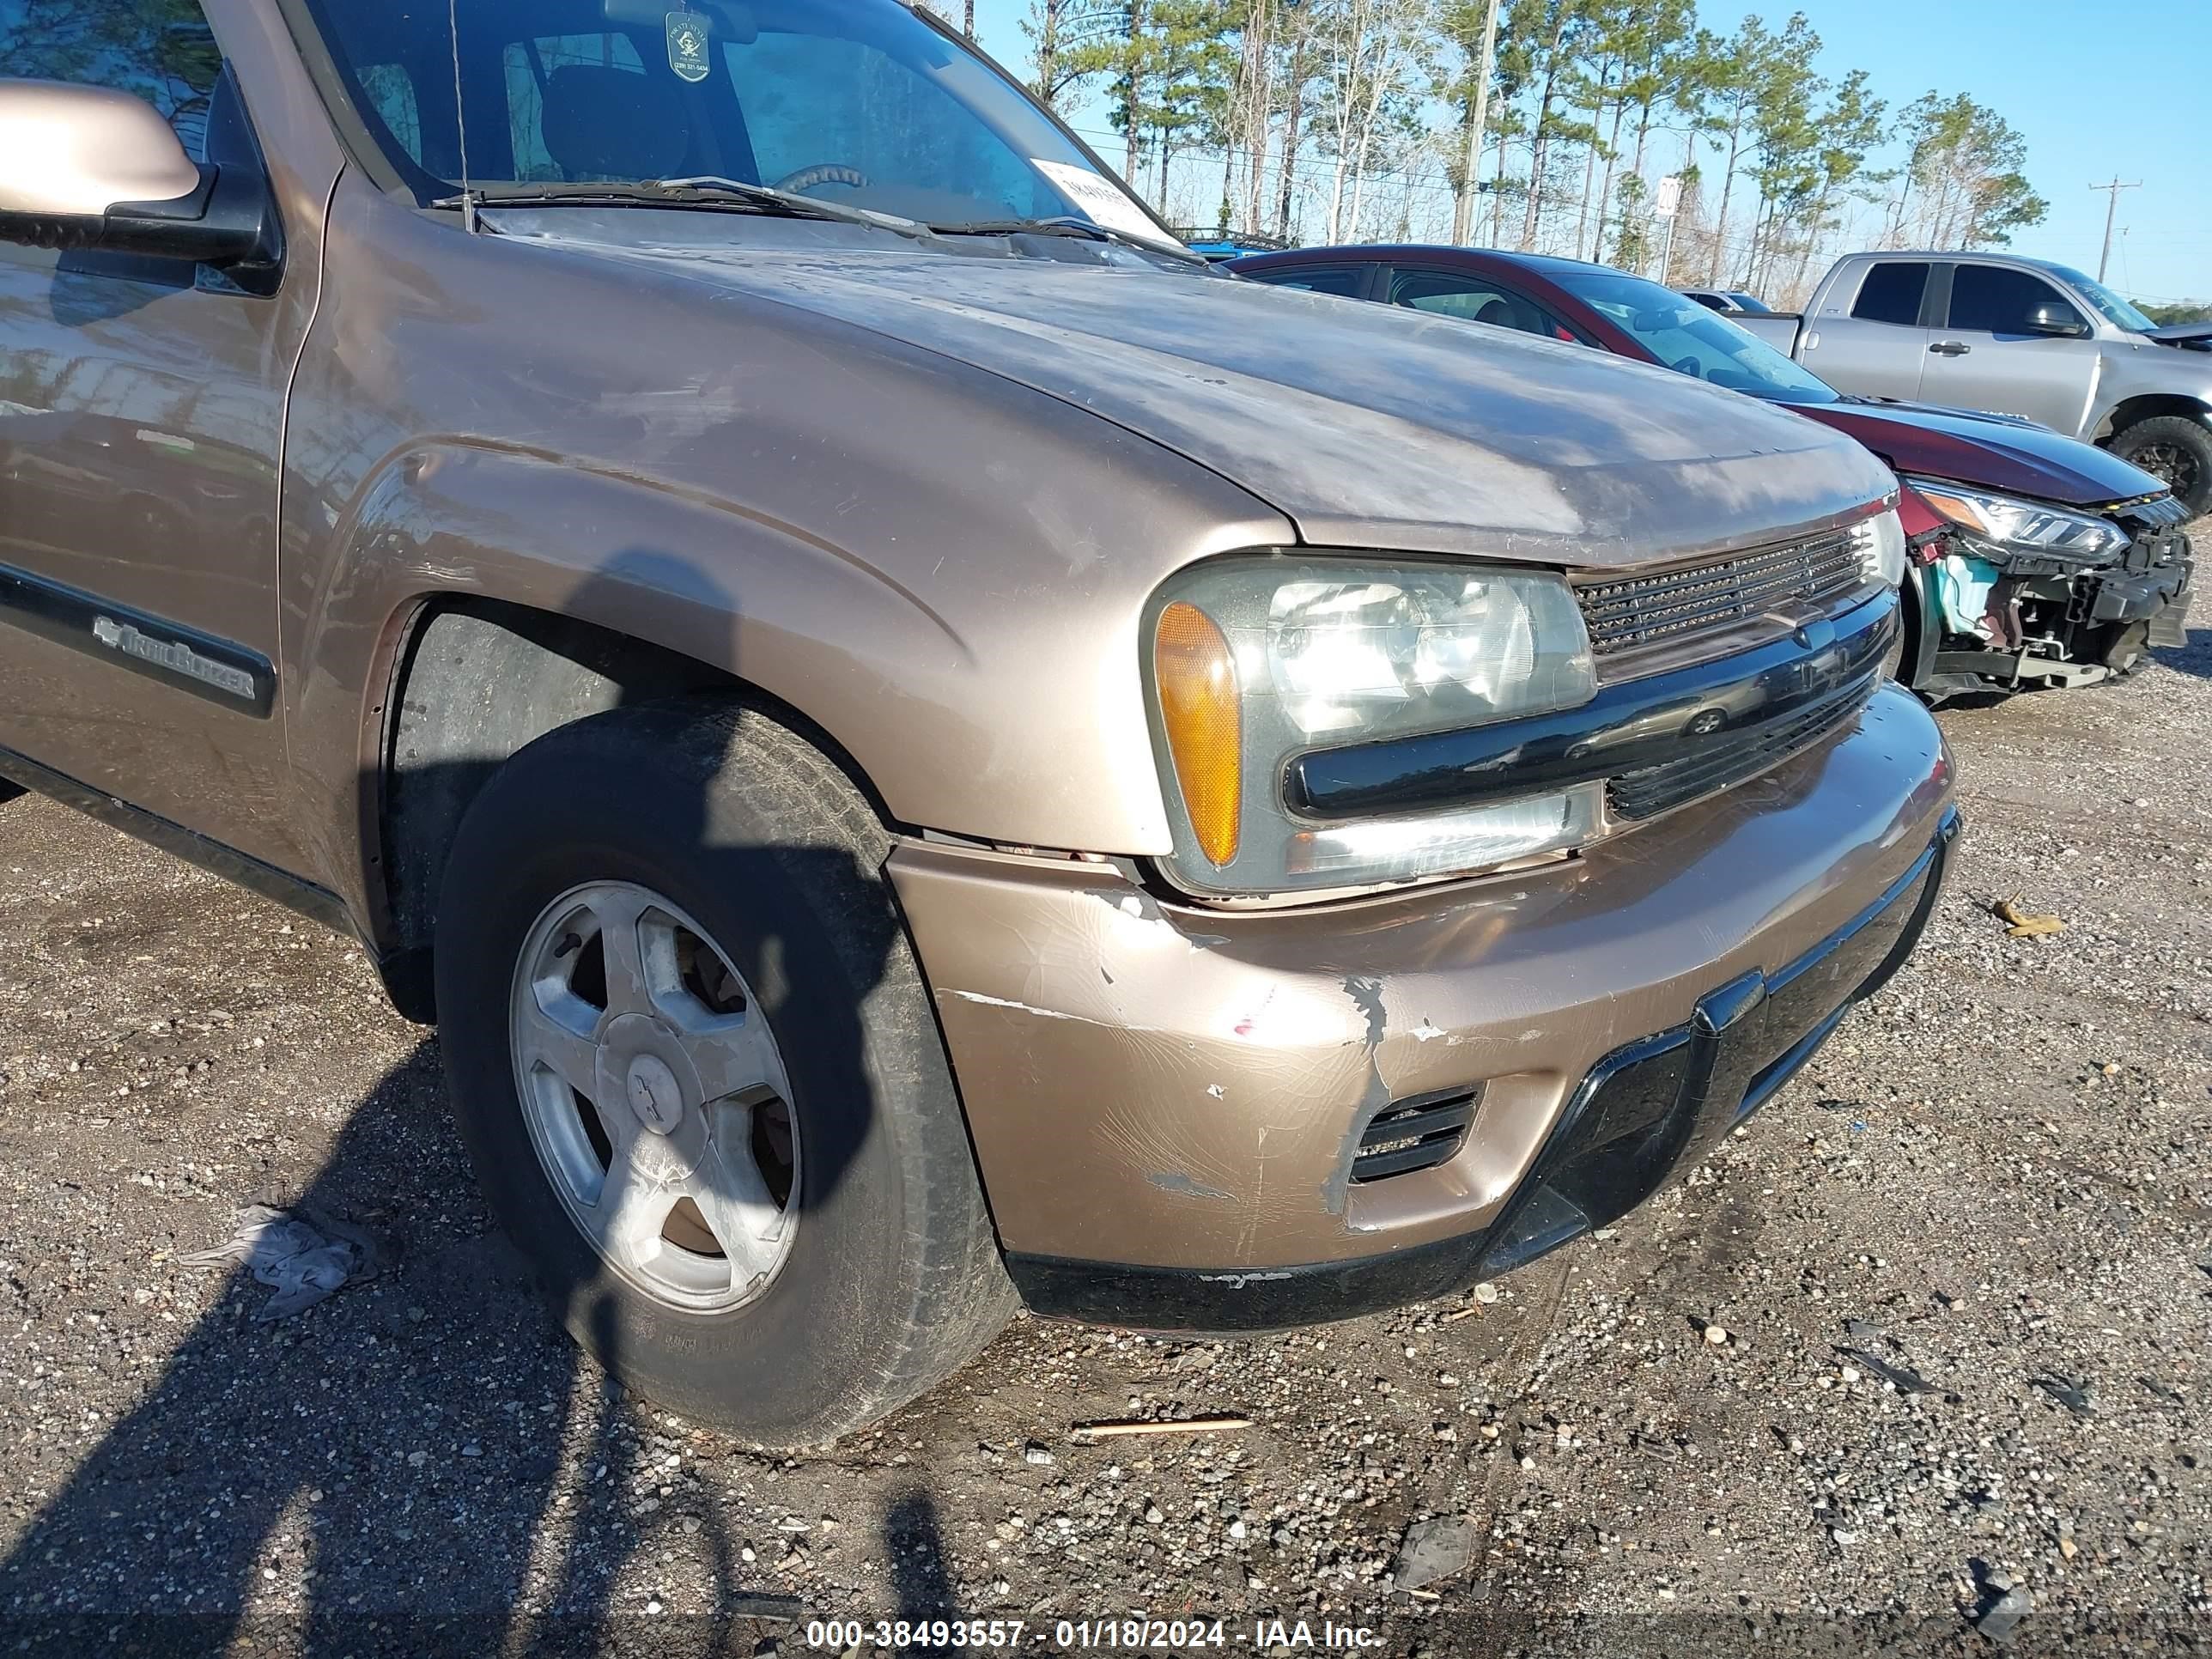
[(1908, 623), (2176, 450), (697, 1072)]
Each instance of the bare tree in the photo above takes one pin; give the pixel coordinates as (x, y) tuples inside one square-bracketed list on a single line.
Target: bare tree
[(1374, 49), (1257, 111), (1965, 166), (1296, 82)]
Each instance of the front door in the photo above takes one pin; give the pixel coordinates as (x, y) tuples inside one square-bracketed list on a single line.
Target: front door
[(1986, 358), (141, 426)]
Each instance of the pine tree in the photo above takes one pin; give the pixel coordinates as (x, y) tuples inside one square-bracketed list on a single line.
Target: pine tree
[(1734, 73), (1550, 27)]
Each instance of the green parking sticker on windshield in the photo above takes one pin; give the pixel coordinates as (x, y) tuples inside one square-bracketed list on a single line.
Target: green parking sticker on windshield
[(687, 45)]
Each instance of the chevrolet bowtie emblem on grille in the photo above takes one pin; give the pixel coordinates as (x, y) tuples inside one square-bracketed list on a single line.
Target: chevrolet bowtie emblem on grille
[(1816, 635), (173, 655)]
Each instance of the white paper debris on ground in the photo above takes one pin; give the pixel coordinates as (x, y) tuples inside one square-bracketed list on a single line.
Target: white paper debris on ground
[(303, 1261)]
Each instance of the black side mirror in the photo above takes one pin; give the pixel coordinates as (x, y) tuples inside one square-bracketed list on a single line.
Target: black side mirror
[(81, 171), (2056, 318)]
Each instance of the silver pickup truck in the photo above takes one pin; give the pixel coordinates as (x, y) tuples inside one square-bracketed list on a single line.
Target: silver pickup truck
[(2024, 336)]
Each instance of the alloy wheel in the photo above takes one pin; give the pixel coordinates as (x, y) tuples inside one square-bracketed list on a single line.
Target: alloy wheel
[(2170, 463), (654, 1097)]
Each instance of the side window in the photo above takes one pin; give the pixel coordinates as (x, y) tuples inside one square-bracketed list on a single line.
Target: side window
[(1892, 291), (1448, 294), (1994, 299), (161, 51), (1346, 280)]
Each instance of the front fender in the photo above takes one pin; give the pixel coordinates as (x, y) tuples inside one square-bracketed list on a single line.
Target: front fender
[(942, 570), (2150, 372), (835, 639)]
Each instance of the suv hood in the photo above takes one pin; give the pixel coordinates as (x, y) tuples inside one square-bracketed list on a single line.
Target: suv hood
[(1367, 427), (1993, 452)]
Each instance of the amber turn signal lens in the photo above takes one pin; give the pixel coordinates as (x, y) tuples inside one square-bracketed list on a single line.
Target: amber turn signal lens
[(1197, 682)]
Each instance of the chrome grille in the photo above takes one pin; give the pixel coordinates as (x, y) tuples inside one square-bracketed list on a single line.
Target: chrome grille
[(1627, 612)]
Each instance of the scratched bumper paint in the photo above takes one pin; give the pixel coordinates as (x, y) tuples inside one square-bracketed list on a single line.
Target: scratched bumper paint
[(1165, 1086)]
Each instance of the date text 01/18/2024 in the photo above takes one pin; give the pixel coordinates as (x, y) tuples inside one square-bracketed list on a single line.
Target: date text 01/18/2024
[(989, 1635)]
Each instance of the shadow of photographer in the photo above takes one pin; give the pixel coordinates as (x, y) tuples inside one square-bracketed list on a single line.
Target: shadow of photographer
[(418, 1464)]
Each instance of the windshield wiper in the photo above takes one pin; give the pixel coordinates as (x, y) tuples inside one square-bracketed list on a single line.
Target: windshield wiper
[(707, 191), (710, 184), (1066, 224)]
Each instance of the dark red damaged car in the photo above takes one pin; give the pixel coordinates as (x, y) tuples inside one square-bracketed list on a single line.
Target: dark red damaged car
[(2037, 560)]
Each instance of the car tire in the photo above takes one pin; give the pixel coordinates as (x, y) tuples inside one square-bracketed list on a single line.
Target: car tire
[(1908, 623), (743, 830), (2176, 449)]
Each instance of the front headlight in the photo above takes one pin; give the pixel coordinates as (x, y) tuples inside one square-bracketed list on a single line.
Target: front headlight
[(2030, 526), (1256, 659), (1881, 543)]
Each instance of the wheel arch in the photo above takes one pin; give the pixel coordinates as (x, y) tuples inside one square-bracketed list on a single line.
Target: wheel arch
[(591, 589), (474, 681), (2149, 406)]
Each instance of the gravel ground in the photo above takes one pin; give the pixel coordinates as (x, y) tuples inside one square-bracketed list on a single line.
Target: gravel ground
[(1916, 1362)]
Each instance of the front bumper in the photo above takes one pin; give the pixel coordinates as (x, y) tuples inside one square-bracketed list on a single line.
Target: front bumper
[(1167, 1103), (2158, 596), (2109, 615), (1645, 1115)]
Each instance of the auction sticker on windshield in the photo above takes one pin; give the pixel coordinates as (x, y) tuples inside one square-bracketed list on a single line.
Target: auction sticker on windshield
[(687, 45), (1099, 198)]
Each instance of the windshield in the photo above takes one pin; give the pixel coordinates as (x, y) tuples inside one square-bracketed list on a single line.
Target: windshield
[(856, 102), (1691, 340), (2114, 309)]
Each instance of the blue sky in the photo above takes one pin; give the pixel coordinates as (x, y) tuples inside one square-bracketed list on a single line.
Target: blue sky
[(2096, 88)]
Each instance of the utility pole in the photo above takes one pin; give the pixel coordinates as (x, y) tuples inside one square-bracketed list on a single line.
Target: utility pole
[(1463, 214), (2111, 201)]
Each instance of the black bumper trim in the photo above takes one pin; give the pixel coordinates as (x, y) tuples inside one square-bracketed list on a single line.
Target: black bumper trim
[(2136, 595), (1645, 1113), (2169, 624), (1678, 718)]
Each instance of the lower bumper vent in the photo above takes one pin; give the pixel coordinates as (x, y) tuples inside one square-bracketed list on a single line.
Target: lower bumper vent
[(1414, 1135)]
